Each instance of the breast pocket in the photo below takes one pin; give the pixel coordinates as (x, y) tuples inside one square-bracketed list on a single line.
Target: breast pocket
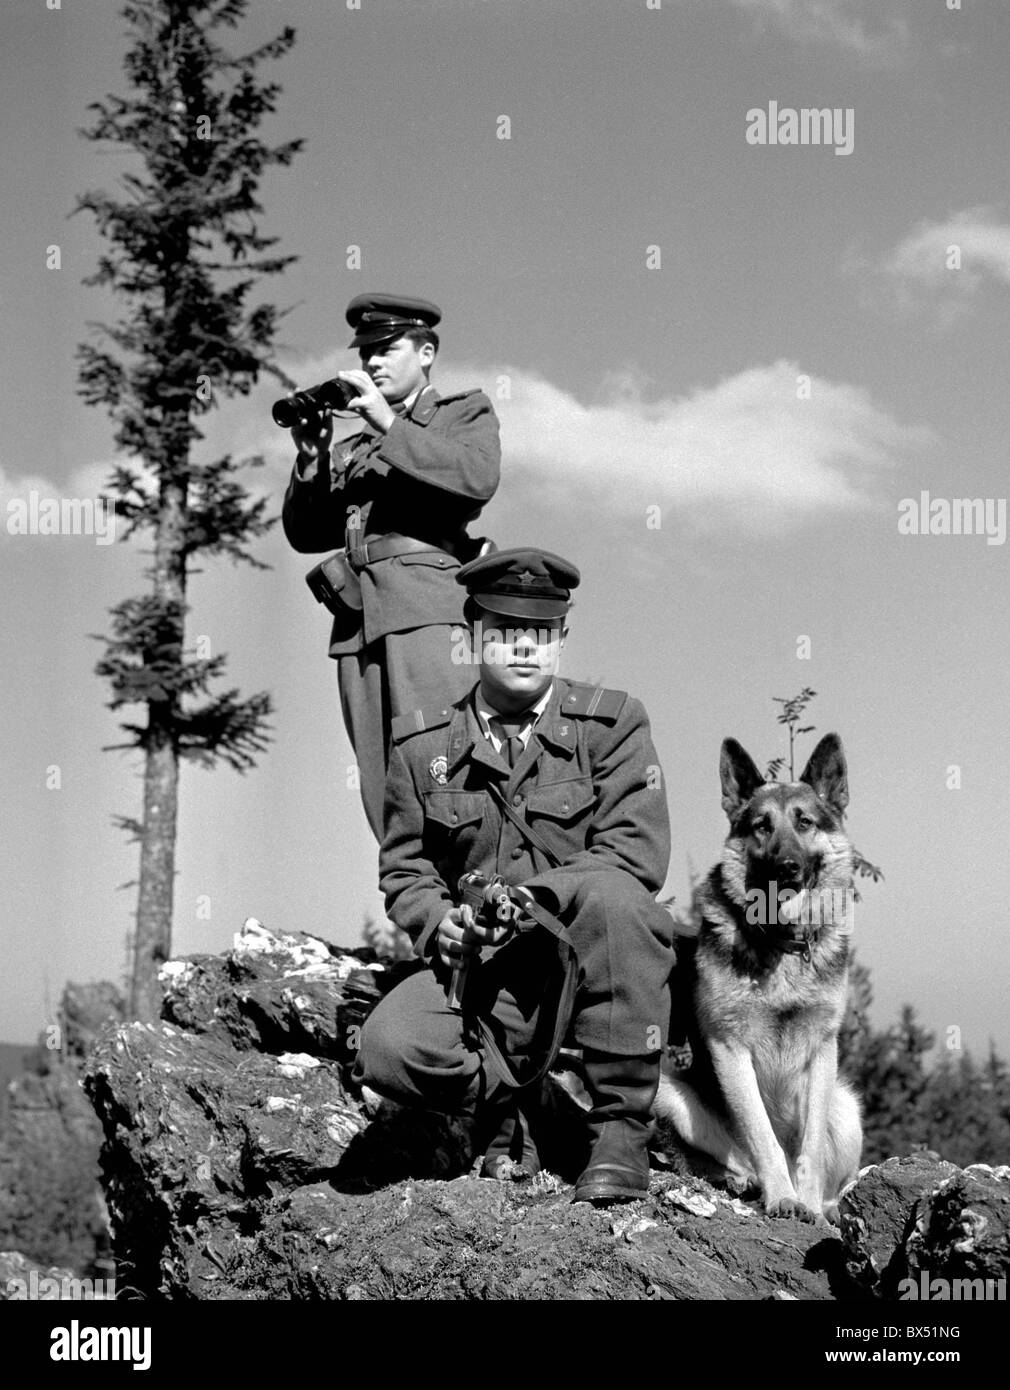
[(452, 829), (450, 811), (562, 812)]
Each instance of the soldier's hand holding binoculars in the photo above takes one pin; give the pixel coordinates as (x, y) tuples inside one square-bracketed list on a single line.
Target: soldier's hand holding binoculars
[(369, 403), (313, 436), (460, 935)]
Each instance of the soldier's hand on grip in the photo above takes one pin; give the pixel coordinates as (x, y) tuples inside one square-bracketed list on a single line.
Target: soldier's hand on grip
[(460, 937)]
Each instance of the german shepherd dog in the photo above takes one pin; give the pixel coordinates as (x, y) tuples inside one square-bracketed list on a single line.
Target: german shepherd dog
[(762, 1095)]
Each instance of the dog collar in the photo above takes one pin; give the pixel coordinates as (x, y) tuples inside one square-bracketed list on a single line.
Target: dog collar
[(800, 945)]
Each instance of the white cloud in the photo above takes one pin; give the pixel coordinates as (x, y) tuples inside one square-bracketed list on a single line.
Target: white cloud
[(940, 266), (975, 236), (86, 484), (86, 481), (874, 29), (18, 489), (749, 452)]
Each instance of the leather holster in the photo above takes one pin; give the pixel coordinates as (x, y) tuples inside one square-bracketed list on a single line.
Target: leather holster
[(335, 585)]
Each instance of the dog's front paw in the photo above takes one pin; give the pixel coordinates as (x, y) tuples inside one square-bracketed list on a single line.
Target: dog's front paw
[(790, 1207)]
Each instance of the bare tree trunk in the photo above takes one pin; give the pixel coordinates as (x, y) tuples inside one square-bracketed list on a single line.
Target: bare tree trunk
[(153, 937), (152, 942)]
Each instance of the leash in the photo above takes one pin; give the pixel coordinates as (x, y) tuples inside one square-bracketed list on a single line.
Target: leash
[(569, 963), (523, 826), (567, 959)]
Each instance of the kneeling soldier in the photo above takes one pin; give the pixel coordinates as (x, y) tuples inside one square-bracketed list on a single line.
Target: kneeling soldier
[(556, 788)]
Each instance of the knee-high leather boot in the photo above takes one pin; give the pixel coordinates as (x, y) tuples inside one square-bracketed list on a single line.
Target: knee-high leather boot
[(622, 1090)]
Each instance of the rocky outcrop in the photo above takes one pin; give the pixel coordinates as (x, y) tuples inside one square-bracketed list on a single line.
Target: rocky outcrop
[(239, 1163), (910, 1221), (51, 1205)]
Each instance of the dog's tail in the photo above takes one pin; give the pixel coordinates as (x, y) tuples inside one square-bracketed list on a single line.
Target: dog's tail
[(844, 1146), (678, 1103)]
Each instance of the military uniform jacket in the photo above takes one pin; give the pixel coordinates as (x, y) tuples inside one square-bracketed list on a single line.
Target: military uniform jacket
[(589, 783), (427, 477)]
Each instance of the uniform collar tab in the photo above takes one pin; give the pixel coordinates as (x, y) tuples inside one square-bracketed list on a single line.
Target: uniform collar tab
[(424, 406), (556, 727), (558, 731)]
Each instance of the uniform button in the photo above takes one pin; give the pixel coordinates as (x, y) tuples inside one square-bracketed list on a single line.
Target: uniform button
[(517, 801), (564, 806), (455, 818), (517, 854)]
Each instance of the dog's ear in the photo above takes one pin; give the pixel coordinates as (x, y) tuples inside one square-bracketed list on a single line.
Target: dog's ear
[(827, 774), (739, 776)]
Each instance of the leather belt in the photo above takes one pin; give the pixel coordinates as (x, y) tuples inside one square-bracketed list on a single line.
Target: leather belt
[(384, 547)]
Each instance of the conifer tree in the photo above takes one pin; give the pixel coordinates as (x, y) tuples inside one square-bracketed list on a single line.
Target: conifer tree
[(183, 251), (855, 1037), (965, 1121), (893, 1084)]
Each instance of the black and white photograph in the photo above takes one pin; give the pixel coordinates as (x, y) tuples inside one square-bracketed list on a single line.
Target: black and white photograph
[(506, 681)]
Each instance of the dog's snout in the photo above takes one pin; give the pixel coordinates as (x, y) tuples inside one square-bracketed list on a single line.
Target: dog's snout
[(790, 868)]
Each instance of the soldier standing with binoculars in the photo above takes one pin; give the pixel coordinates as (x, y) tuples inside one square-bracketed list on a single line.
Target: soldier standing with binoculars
[(397, 498)]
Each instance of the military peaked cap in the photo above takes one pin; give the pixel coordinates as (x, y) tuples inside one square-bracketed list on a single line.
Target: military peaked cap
[(379, 318), (521, 583)]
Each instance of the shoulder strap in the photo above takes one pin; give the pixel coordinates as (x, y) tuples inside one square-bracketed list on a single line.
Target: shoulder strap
[(458, 395), (429, 400), (593, 702), (416, 722)]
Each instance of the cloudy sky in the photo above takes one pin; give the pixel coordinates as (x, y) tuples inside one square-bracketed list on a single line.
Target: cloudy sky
[(720, 367)]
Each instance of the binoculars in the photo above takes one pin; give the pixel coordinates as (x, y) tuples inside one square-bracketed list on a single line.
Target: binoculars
[(303, 407)]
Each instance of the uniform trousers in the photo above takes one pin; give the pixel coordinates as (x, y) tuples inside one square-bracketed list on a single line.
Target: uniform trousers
[(416, 1050), (395, 674)]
